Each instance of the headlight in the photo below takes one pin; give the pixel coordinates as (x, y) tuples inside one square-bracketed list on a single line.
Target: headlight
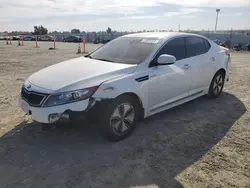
[(68, 97)]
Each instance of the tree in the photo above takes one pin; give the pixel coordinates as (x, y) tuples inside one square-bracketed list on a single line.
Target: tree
[(75, 31), (109, 30), (40, 30)]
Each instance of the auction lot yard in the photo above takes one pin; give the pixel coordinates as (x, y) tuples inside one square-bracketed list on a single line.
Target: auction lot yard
[(204, 143)]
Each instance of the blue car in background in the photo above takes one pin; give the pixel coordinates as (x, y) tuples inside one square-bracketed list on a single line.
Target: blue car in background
[(72, 38), (28, 38)]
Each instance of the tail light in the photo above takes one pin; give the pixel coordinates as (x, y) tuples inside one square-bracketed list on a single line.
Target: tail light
[(227, 52)]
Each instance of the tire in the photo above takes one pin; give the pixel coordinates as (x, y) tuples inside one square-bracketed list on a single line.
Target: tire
[(119, 117), (217, 85)]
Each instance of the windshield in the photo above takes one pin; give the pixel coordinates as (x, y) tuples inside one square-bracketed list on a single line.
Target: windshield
[(126, 50)]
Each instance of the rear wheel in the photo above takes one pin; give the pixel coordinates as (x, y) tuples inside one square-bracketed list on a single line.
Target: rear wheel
[(217, 85), (119, 118)]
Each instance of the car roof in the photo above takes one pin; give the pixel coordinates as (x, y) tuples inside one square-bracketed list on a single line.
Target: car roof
[(161, 35)]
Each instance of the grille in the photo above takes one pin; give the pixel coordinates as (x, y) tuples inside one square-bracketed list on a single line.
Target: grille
[(33, 98)]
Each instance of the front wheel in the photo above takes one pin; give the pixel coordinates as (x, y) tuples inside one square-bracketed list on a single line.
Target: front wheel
[(217, 85), (119, 118)]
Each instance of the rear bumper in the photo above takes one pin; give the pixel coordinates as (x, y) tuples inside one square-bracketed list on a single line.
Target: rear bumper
[(57, 113)]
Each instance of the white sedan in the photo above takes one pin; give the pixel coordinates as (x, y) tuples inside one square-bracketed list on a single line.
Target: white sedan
[(128, 79)]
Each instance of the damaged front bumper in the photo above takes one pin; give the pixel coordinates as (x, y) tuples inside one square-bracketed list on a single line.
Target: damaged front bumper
[(54, 114)]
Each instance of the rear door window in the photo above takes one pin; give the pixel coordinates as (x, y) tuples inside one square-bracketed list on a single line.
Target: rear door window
[(195, 46), (207, 45)]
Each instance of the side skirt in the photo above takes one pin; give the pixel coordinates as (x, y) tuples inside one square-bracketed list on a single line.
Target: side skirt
[(175, 103)]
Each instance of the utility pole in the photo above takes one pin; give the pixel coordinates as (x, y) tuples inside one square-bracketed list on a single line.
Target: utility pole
[(231, 35), (217, 15)]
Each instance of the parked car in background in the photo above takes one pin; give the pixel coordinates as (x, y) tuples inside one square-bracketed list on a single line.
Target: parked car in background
[(96, 41), (45, 38), (238, 47), (15, 37), (2, 37), (7, 38), (104, 41), (128, 79), (72, 38), (29, 38), (217, 41), (246, 47)]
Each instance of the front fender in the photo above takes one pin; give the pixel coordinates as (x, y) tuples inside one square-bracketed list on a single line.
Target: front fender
[(116, 87)]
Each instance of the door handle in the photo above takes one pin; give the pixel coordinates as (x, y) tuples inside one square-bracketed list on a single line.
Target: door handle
[(186, 66)]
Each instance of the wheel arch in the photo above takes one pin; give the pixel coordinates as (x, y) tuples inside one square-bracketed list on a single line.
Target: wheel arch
[(103, 100), (134, 95), (138, 99), (221, 70), (210, 92)]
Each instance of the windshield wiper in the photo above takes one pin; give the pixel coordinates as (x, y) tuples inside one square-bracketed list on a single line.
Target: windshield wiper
[(104, 60), (89, 56)]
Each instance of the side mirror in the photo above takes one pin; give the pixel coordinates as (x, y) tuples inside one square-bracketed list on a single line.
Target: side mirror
[(165, 59)]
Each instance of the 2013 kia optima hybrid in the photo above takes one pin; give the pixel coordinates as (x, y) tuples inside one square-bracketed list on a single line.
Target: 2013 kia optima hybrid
[(129, 78)]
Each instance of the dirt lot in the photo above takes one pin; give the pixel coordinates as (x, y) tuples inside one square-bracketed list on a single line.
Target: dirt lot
[(204, 143)]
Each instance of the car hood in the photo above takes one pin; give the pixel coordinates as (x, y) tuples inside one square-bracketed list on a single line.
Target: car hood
[(78, 73)]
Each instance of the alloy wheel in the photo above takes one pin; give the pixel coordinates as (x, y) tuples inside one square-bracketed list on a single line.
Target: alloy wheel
[(218, 84), (122, 118)]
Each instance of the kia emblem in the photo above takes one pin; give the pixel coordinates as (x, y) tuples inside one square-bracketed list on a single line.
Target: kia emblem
[(29, 86)]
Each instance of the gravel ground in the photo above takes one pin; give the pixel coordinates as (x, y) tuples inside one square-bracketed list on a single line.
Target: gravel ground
[(203, 143)]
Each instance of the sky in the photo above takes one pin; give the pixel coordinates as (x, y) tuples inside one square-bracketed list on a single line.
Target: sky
[(123, 15)]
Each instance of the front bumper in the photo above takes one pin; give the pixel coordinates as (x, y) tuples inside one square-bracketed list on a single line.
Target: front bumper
[(56, 113)]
